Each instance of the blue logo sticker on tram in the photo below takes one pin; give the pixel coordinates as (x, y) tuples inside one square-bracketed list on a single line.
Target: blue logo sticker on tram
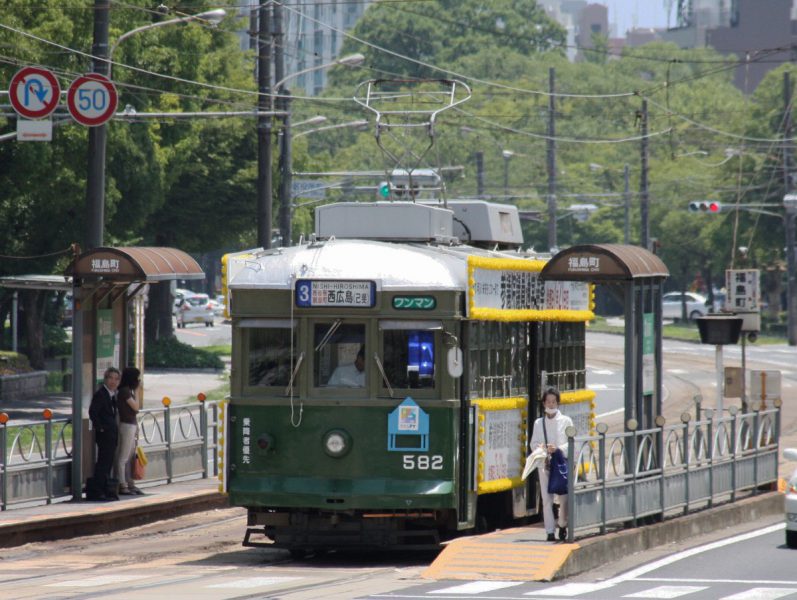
[(408, 428), (315, 293)]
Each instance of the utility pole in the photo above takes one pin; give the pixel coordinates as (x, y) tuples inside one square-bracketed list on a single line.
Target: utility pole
[(551, 162), (264, 183), (643, 181), (789, 216), (627, 205), (479, 174), (95, 177), (286, 157)]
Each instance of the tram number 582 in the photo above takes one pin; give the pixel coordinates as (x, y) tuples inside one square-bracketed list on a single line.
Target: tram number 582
[(422, 462)]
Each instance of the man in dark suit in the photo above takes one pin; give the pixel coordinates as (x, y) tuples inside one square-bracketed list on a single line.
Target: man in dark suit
[(102, 413)]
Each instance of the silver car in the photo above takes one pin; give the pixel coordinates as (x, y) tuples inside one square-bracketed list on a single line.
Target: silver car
[(195, 308), (671, 305)]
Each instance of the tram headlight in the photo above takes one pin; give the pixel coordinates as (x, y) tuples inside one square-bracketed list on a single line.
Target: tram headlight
[(337, 443)]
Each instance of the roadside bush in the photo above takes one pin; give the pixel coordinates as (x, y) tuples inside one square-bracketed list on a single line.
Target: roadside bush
[(169, 353), (13, 363)]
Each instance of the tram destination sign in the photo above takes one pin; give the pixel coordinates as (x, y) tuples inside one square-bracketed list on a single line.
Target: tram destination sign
[(325, 293)]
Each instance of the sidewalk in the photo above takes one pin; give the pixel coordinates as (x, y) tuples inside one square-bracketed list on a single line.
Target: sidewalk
[(72, 519)]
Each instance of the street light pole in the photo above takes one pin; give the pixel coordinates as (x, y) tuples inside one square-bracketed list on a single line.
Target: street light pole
[(286, 150), (627, 205), (507, 154), (95, 177)]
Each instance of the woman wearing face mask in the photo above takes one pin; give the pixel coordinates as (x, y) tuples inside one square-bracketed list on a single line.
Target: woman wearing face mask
[(549, 433)]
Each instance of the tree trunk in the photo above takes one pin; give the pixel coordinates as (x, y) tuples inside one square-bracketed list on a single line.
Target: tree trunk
[(158, 318), (31, 301)]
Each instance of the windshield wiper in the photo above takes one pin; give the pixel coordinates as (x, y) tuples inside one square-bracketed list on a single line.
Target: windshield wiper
[(382, 371), (332, 329), (293, 375)]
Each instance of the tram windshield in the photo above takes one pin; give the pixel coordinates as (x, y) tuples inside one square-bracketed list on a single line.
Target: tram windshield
[(409, 354), (339, 355), (269, 352)]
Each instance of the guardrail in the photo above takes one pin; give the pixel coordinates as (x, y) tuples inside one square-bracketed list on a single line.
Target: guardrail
[(650, 474), (36, 455)]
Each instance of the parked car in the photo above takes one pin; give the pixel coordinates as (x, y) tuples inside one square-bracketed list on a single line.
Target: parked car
[(195, 308), (671, 305), (179, 294), (791, 501), (218, 305)]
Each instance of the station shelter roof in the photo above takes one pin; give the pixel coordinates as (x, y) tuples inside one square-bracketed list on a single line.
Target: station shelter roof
[(128, 264), (604, 262)]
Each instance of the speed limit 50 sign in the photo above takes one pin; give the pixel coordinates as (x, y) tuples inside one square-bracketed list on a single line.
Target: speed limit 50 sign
[(92, 99)]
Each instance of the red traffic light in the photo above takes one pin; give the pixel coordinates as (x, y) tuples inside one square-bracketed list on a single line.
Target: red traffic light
[(706, 206)]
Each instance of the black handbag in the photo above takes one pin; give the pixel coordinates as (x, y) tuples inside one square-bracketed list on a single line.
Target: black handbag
[(556, 465)]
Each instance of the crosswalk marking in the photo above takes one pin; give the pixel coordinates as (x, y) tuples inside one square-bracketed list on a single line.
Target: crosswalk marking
[(477, 587), (761, 593), (667, 591), (571, 589), (253, 582), (596, 386), (96, 581), (602, 372)]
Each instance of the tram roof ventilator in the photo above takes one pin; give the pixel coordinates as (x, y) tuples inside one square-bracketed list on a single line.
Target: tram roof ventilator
[(476, 222)]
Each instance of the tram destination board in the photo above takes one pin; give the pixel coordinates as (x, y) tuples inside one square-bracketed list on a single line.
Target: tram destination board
[(314, 293)]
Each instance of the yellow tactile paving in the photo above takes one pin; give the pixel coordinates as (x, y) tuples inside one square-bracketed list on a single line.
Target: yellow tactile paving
[(476, 558)]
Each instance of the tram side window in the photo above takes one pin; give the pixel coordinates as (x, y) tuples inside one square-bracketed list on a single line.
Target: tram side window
[(340, 355), (269, 356), (409, 357), (498, 358)]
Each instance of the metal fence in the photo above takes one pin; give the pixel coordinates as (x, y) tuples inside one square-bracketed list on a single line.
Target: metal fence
[(622, 478), (36, 455)]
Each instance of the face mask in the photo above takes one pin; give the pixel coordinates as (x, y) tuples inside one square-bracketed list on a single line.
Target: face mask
[(551, 411)]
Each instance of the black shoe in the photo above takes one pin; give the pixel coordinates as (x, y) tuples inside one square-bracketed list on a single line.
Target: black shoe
[(551, 538), (135, 491), (127, 493), (562, 533)]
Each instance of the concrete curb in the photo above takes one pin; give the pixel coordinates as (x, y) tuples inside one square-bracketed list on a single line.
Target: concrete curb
[(107, 518), (594, 552)]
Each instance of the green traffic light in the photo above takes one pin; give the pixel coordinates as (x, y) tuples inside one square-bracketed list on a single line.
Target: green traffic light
[(384, 190)]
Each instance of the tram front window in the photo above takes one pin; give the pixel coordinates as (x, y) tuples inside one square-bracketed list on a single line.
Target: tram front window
[(269, 356), (340, 356), (409, 358)]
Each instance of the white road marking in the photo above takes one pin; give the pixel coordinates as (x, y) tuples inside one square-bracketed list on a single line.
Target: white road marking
[(634, 573), (761, 593), (96, 581), (747, 581), (603, 372), (253, 582), (571, 589), (476, 587), (677, 371), (596, 386), (667, 591)]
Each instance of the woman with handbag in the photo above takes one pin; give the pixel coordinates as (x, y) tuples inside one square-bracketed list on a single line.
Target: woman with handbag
[(128, 408), (549, 433)]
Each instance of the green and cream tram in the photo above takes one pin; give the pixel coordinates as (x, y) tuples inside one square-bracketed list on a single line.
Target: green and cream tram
[(384, 375)]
